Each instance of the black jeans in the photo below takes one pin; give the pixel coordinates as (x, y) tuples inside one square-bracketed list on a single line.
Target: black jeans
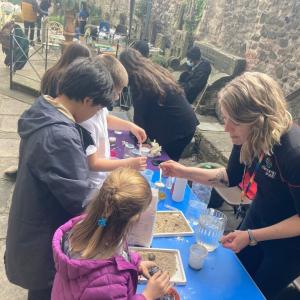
[(30, 25), (271, 266), (82, 27), (174, 149), (38, 27), (40, 294)]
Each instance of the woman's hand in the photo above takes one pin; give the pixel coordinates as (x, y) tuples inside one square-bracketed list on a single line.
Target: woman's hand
[(138, 132), (172, 168), (236, 241), (137, 163), (144, 267), (157, 286)]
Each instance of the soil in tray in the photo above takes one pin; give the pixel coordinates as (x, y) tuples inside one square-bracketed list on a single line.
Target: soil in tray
[(166, 261), (170, 223)]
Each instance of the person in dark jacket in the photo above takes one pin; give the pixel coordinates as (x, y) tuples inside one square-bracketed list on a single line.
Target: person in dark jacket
[(194, 80), (52, 181), (83, 17), (42, 12), (160, 106), (30, 11), (18, 57)]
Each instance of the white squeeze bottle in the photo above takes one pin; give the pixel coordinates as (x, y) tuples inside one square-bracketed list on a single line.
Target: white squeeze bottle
[(179, 189)]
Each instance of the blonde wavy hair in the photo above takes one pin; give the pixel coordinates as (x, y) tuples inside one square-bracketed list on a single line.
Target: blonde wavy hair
[(123, 196), (256, 99)]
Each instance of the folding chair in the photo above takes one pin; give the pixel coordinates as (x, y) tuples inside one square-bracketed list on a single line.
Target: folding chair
[(232, 196), (126, 99)]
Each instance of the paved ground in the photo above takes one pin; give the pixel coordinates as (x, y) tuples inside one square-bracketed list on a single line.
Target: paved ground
[(12, 104)]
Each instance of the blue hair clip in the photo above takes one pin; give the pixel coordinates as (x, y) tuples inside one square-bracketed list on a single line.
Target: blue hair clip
[(102, 222)]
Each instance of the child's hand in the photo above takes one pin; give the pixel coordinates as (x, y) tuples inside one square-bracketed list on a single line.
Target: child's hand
[(137, 163), (139, 133), (157, 286), (144, 266)]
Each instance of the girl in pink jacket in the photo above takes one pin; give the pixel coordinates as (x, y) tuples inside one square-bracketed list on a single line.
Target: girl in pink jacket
[(91, 254)]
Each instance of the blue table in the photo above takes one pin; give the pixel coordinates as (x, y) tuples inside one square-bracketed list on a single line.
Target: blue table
[(222, 277)]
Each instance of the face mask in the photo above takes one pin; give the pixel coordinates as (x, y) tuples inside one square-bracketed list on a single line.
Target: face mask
[(189, 63)]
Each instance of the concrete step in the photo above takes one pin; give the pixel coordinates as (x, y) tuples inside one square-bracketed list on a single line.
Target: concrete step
[(212, 143)]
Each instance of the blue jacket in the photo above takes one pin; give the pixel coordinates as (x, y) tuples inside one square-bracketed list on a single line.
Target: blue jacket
[(50, 189)]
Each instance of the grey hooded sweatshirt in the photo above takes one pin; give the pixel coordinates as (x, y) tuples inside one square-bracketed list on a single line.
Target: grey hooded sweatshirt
[(51, 186)]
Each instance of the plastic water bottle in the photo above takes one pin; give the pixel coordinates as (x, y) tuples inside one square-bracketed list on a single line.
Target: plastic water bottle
[(179, 189)]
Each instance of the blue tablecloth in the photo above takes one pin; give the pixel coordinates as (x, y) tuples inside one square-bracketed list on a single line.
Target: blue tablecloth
[(222, 277)]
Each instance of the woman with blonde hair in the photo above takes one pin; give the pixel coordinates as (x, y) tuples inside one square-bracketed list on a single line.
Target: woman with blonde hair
[(267, 145), (159, 103), (91, 254)]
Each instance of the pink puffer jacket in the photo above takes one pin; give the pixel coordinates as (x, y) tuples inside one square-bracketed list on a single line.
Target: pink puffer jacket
[(92, 279)]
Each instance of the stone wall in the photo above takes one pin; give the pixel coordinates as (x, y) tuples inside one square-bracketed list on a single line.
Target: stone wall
[(166, 11), (113, 8), (265, 32)]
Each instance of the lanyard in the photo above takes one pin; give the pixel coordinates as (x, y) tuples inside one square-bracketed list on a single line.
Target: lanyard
[(245, 191)]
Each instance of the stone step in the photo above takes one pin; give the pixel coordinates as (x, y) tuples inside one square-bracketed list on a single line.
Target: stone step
[(212, 143)]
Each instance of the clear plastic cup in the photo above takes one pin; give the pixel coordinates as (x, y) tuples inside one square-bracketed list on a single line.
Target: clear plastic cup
[(128, 149), (197, 256), (202, 192), (210, 228), (145, 151), (195, 209), (148, 174), (161, 190), (169, 182)]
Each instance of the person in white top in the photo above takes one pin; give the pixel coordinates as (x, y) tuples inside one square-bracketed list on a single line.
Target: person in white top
[(99, 155)]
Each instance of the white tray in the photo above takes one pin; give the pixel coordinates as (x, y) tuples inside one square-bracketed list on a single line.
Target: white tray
[(182, 233), (179, 276)]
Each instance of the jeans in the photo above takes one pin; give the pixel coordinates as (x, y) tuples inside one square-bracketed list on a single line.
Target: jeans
[(30, 25)]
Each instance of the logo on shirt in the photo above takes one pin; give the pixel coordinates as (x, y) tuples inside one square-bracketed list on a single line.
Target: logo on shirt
[(267, 168)]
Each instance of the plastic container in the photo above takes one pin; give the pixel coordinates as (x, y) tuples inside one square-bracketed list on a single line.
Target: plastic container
[(145, 151), (128, 149), (179, 189), (169, 182), (210, 229), (195, 208), (148, 174), (202, 192), (197, 256), (161, 190)]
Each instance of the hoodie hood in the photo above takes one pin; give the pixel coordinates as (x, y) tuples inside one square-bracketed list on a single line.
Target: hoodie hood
[(40, 115)]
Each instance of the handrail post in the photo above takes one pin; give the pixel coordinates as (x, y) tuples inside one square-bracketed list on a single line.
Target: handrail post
[(11, 58)]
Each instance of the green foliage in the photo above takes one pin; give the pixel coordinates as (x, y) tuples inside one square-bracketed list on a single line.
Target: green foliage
[(15, 2), (141, 9), (59, 19), (159, 59), (192, 23), (95, 10)]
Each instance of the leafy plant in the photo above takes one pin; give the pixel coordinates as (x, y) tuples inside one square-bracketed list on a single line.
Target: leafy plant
[(195, 15), (159, 59), (141, 9)]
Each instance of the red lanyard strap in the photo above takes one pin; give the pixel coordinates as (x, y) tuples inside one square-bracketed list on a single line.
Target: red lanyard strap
[(251, 180)]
